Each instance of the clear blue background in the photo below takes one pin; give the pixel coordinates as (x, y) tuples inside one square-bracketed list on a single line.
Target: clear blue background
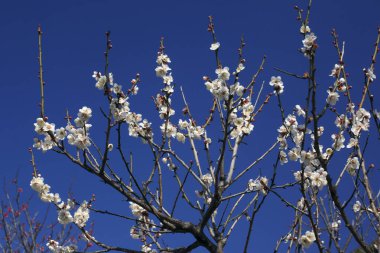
[(73, 46)]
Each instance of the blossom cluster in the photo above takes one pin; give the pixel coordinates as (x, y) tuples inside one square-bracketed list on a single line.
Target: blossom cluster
[(259, 184), (143, 228), (120, 107), (56, 248), (205, 194), (242, 125), (312, 173), (81, 215), (307, 239), (76, 135)]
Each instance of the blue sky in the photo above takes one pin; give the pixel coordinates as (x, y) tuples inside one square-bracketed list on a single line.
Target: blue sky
[(73, 46)]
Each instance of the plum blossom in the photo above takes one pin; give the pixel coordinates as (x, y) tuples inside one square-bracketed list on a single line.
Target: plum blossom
[(162, 70), (352, 165), (163, 59), (56, 248), (308, 42), (307, 239), (100, 80), (318, 178), (207, 179), (336, 70), (37, 183), (277, 84), (65, 217), (214, 46), (82, 215), (338, 141), (360, 121), (370, 75), (299, 111), (353, 143), (258, 184), (137, 210), (223, 73), (332, 98), (304, 29)]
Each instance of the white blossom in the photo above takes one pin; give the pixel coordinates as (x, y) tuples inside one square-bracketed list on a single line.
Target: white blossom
[(101, 82), (214, 46), (258, 184), (277, 84), (308, 42), (64, 217), (223, 73), (352, 165), (332, 98), (207, 179), (137, 210), (304, 29), (370, 75), (82, 215), (307, 239)]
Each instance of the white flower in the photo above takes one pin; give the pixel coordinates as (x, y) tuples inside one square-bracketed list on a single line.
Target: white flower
[(168, 80), (300, 111), (162, 70), (47, 196), (294, 154), (64, 217), (214, 46), (37, 183), (82, 215), (168, 129), (180, 137), (370, 75), (338, 141), (137, 210), (307, 239), (353, 143), (277, 84), (134, 233), (352, 165), (207, 179), (116, 88), (304, 29), (283, 158), (240, 68), (196, 132), (336, 70), (60, 134), (183, 124), (318, 178), (223, 73), (332, 98), (309, 40), (85, 113), (101, 82), (341, 81), (163, 59), (147, 249), (259, 184)]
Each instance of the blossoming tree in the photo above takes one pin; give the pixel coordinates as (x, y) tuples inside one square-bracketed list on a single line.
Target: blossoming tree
[(218, 193)]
